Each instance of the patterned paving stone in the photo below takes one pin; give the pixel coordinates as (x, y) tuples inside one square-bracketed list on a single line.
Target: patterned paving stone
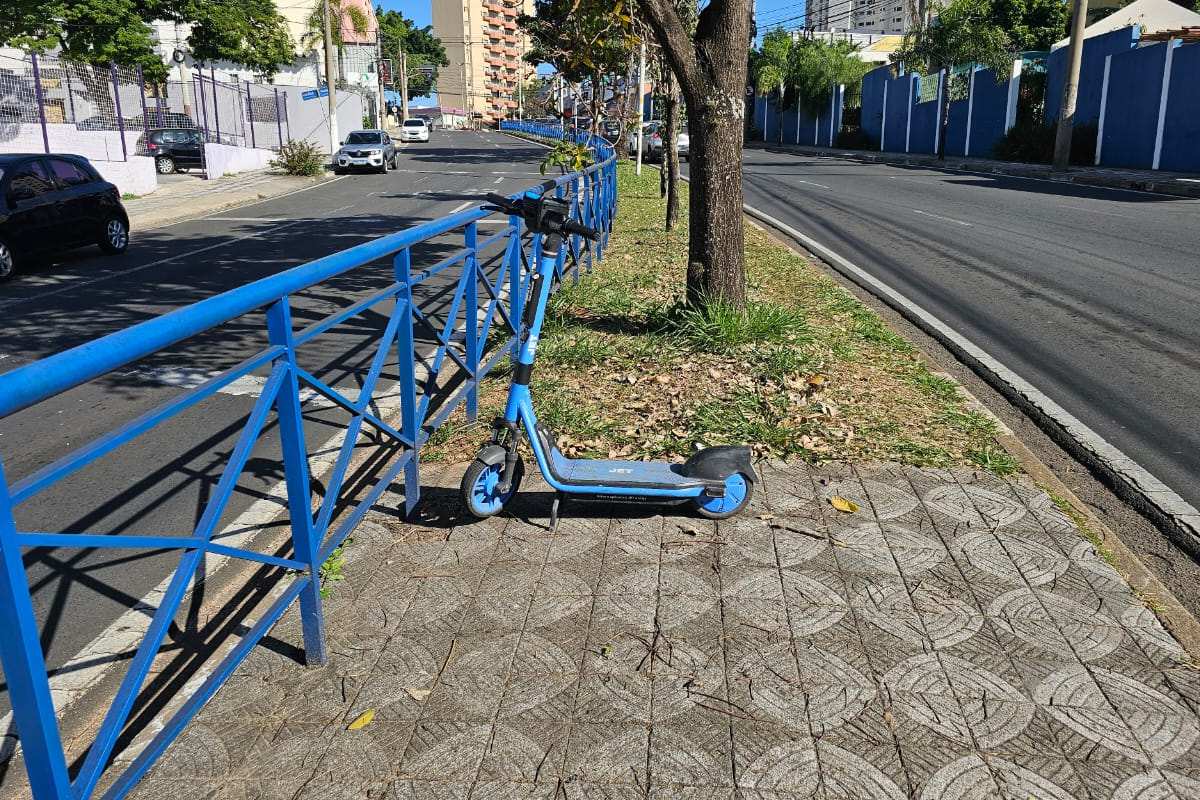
[(954, 639)]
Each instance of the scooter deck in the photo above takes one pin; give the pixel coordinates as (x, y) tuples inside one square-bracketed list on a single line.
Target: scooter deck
[(626, 474)]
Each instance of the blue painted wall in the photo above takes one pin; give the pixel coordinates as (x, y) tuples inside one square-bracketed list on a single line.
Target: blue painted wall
[(924, 126), (990, 112), (897, 112), (1091, 73), (1131, 114), (1181, 131), (872, 102), (956, 135)]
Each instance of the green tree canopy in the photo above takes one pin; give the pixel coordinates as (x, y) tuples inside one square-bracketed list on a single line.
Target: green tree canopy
[(247, 32), (962, 32), (1031, 24), (806, 70), (580, 38), (421, 46)]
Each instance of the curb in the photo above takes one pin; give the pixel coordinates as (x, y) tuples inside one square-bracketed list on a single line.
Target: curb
[(1039, 172), (1176, 617)]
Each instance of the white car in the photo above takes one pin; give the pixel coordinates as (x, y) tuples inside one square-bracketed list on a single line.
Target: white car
[(414, 130)]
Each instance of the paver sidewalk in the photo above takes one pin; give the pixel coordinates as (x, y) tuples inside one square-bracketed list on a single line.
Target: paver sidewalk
[(954, 638), (1180, 184), (192, 198)]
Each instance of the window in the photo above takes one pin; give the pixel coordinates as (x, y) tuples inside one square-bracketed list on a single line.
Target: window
[(28, 181), (362, 137), (414, 123), (69, 173)]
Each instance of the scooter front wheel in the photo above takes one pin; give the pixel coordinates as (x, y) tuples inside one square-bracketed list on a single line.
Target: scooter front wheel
[(480, 487), (738, 489)]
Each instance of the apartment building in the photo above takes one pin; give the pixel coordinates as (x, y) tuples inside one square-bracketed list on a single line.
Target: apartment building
[(861, 16), (485, 49)]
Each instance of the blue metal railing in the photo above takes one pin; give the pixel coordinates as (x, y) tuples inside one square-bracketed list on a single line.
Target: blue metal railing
[(462, 340)]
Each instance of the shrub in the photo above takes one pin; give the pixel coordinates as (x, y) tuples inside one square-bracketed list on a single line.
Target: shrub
[(1032, 141), (300, 158), (855, 139)]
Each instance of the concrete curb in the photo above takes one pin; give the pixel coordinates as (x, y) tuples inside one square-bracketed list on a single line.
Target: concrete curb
[(1165, 186)]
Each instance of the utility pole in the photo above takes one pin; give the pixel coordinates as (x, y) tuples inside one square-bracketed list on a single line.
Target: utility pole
[(1066, 111), (380, 104), (403, 86), (641, 83), (330, 80)]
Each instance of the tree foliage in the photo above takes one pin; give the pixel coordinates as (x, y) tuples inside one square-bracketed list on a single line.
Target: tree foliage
[(806, 70), (339, 14), (421, 46), (961, 32), (1031, 24), (580, 38), (246, 32)]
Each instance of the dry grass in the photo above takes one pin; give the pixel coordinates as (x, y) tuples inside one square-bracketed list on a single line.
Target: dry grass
[(624, 371)]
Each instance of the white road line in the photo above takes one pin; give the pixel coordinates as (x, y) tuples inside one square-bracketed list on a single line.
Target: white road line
[(459, 208), (498, 180), (254, 202), (939, 216), (810, 183), (1132, 481)]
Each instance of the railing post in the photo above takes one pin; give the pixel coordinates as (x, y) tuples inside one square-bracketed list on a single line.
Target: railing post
[(471, 301), (250, 115), (37, 94), (566, 243), (299, 489), (516, 289), (212, 74), (278, 117), (25, 668), (142, 96), (407, 357), (203, 103), (117, 104)]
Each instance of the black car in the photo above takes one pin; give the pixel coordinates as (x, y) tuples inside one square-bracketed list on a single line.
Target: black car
[(173, 149), (56, 202)]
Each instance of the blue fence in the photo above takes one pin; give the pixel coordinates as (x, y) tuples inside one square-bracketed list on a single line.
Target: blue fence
[(1142, 97), (484, 308), (800, 125)]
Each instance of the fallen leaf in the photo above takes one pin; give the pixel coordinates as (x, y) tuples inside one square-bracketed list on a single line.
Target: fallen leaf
[(842, 504), (766, 516), (417, 694), (362, 720), (816, 380)]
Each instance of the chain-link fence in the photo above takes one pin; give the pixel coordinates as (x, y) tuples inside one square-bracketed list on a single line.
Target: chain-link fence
[(50, 104), (105, 113)]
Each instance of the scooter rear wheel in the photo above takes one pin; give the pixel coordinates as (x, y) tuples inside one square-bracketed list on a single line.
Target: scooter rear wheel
[(738, 489), (479, 487)]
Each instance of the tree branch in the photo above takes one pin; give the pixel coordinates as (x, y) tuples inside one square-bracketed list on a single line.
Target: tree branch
[(663, 18)]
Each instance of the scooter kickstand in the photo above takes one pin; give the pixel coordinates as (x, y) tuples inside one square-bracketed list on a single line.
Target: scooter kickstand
[(554, 511)]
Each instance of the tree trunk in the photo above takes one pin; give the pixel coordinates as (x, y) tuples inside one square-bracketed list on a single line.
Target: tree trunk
[(670, 168), (711, 69)]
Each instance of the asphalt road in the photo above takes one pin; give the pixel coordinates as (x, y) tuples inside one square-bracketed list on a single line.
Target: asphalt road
[(160, 483), (1093, 295)]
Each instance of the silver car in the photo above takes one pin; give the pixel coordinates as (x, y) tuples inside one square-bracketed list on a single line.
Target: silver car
[(370, 149), (653, 143)]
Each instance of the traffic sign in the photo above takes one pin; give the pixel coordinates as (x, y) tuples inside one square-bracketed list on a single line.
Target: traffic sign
[(313, 94)]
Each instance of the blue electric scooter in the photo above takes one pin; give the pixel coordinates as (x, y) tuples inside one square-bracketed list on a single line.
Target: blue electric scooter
[(717, 481)]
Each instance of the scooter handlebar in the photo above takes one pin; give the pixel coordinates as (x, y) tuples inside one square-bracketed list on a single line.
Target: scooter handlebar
[(571, 226)]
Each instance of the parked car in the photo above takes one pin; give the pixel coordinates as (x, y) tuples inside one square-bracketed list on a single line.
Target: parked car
[(648, 127), (56, 202), (368, 149), (173, 149), (414, 129), (610, 129), (653, 143)]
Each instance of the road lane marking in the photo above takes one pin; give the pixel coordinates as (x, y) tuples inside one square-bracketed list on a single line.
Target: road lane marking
[(810, 183), (498, 180), (252, 203), (939, 216), (459, 208)]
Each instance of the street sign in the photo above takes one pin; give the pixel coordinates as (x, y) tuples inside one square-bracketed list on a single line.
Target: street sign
[(426, 70), (313, 94), (385, 71)]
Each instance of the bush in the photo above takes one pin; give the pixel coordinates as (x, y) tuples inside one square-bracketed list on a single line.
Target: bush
[(723, 330), (855, 139), (1032, 141), (300, 158)]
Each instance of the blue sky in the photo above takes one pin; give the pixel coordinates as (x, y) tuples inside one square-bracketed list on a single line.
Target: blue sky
[(416, 10)]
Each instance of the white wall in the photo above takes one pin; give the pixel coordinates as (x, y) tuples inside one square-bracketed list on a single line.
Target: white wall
[(309, 119), (66, 138), (223, 159), (135, 176)]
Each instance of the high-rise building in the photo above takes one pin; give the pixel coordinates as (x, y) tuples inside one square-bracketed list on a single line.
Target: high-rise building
[(485, 49), (860, 16)]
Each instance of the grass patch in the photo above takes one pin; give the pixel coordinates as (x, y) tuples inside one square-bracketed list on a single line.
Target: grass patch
[(626, 370), (331, 570)]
